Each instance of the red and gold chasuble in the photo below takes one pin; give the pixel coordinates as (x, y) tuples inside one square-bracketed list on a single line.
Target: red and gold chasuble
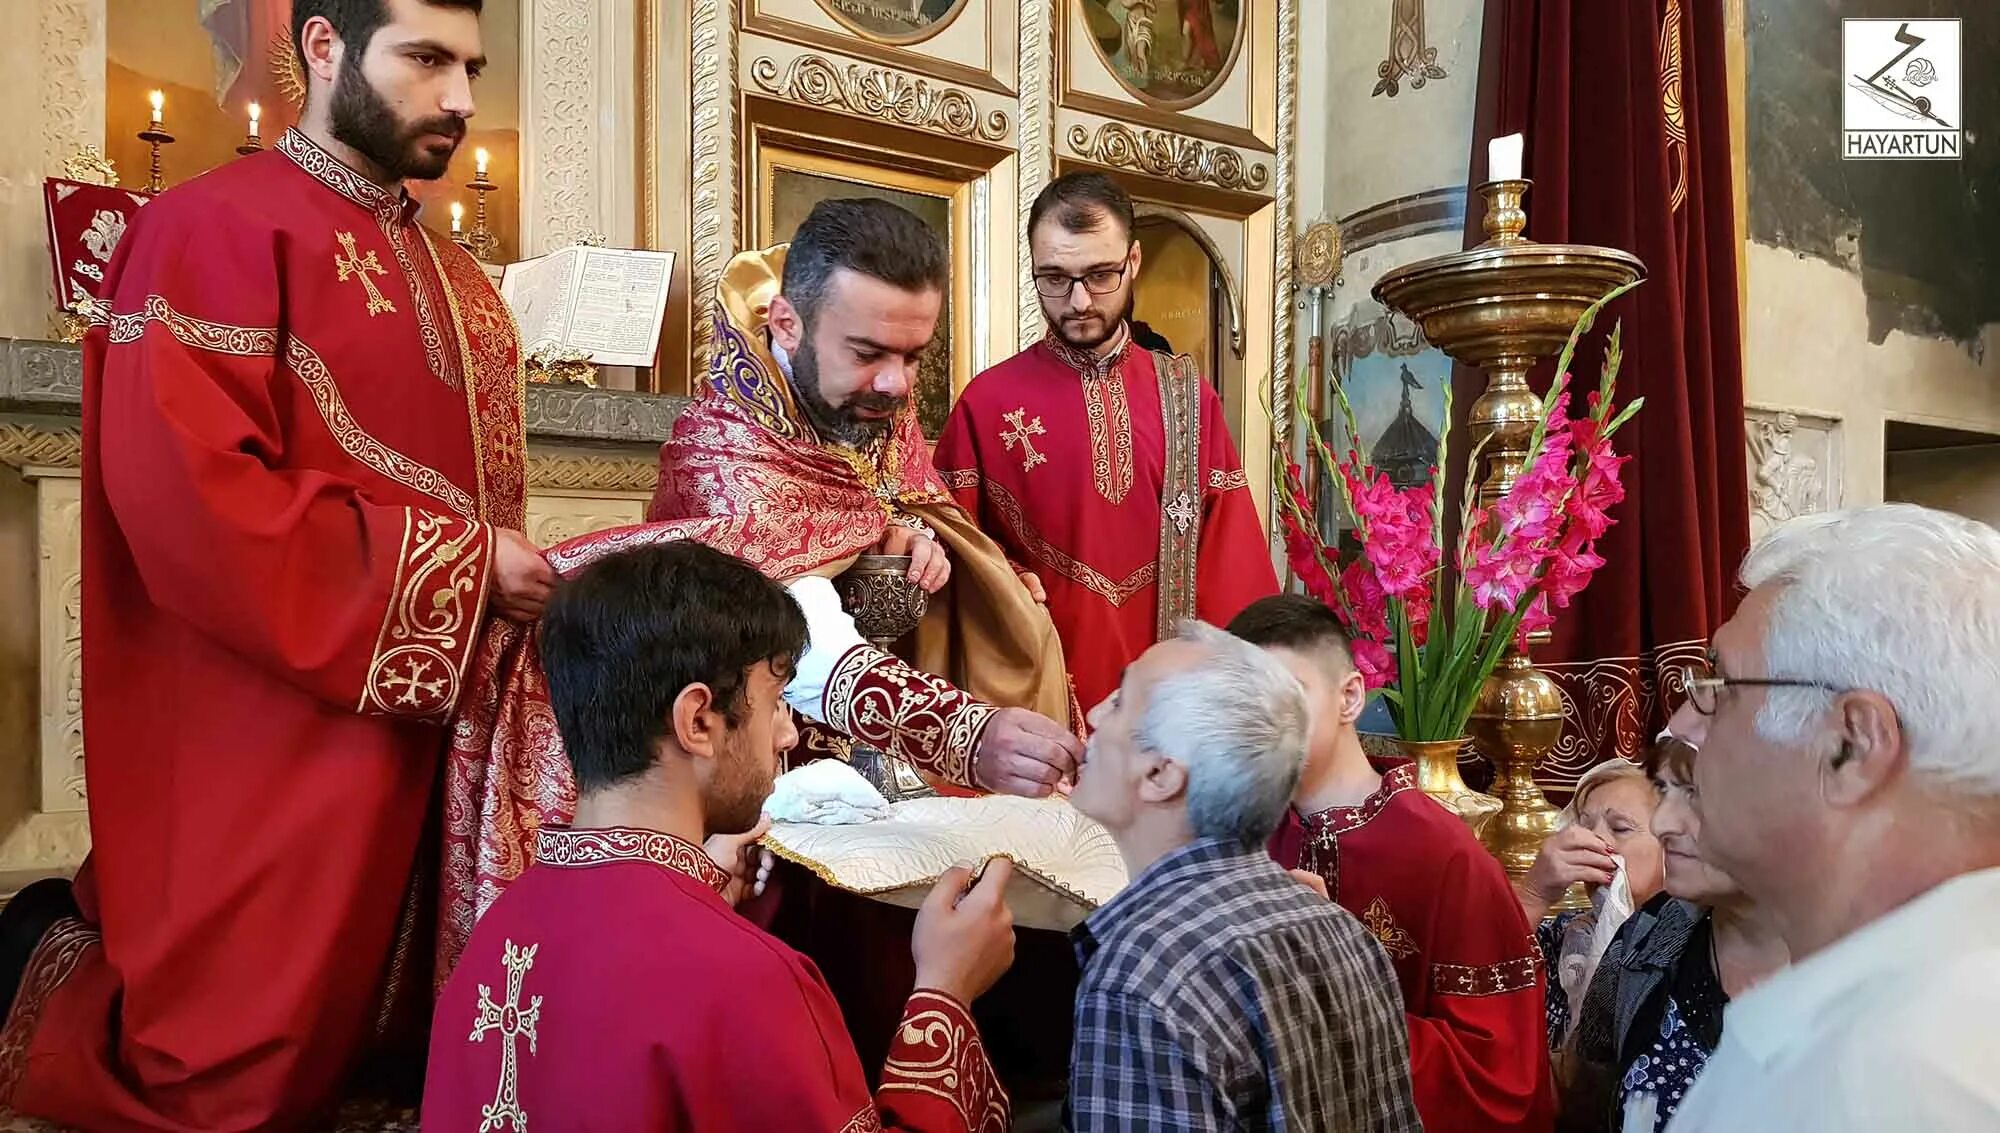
[(611, 987), (743, 473), (1116, 482), (302, 423), (1468, 965)]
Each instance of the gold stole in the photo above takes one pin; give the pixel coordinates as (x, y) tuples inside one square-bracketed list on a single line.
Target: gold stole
[(1180, 490)]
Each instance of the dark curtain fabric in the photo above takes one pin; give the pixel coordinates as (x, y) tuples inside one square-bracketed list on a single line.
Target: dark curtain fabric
[(1624, 105)]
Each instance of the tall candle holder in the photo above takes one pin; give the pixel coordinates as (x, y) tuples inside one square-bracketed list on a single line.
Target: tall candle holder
[(252, 141), (1501, 307), (480, 241), (155, 136)]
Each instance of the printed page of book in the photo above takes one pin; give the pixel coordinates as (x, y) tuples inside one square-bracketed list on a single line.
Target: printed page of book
[(539, 291), (618, 305)]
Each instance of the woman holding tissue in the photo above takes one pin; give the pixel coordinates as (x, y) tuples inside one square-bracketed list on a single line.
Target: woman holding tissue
[(1606, 842), (1653, 1012)]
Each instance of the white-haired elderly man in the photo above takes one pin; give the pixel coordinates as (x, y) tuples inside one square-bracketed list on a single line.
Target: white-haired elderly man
[(1218, 992), (1848, 777)]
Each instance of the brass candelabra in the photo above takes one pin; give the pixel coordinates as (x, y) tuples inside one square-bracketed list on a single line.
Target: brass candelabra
[(1501, 307), (155, 135), (480, 241)]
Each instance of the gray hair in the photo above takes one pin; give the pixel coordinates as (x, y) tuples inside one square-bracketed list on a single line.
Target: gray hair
[(1896, 598), (1617, 769), (1238, 722)]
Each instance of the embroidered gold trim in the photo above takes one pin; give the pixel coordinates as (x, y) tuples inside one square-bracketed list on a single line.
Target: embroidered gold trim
[(360, 444), (1110, 417), (219, 338), (482, 449), (1398, 944), (512, 1021), (910, 714), (328, 170), (938, 1052), (1180, 489), (428, 630), (1221, 481), (1022, 431), (566, 847), (398, 234), (866, 1120), (960, 479), (52, 962), (1491, 979), (1083, 574)]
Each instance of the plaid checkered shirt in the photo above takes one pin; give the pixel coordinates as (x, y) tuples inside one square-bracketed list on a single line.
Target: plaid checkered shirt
[(1219, 993)]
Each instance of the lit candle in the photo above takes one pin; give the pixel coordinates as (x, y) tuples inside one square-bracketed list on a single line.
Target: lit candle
[(1503, 157), (457, 218), (479, 162), (255, 112), (159, 101)]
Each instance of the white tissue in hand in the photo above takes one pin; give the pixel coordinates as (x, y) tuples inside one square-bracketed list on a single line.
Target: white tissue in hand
[(825, 792)]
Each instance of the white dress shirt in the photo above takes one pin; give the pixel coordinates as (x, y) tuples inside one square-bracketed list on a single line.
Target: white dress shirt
[(1894, 1027)]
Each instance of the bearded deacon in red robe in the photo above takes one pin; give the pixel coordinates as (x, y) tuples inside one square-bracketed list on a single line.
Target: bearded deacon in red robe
[(302, 489), (1105, 471), (1413, 873), (797, 461), (613, 986)]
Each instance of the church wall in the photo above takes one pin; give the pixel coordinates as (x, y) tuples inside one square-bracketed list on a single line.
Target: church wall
[(1964, 480), (1872, 288)]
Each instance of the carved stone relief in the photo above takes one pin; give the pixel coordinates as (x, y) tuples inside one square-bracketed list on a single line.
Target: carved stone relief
[(60, 583), (552, 519), (1794, 463), (1036, 139)]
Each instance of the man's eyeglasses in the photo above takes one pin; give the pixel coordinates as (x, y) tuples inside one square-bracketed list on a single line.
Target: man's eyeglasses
[(1702, 691), (1057, 285)]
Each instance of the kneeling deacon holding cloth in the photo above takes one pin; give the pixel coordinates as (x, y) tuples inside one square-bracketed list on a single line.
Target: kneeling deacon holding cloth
[(613, 986)]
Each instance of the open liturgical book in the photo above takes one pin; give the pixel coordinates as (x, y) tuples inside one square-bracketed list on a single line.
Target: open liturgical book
[(607, 303)]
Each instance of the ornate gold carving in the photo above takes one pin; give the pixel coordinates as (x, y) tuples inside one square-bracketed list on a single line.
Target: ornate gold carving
[(1280, 408), (877, 92), (90, 166), (428, 629), (553, 364), (1168, 155), (1317, 255), (286, 70), (24, 446), (353, 265), (713, 136), (1409, 56), (593, 473), (1036, 141), (512, 1021)]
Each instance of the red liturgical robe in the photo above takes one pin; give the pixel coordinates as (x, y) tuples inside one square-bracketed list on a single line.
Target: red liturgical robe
[(1130, 506), (1468, 966), (611, 987), (302, 425)]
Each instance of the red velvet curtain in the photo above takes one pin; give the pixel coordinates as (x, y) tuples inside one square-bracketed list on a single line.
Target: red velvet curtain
[(1624, 104)]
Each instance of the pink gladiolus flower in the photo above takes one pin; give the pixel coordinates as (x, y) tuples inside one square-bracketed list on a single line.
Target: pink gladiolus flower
[(1372, 658), (1499, 578), (1535, 619), (1365, 596), (1567, 573)]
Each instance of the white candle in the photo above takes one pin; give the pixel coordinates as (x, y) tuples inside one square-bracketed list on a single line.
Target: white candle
[(255, 112), (159, 101), (1503, 157), (457, 217), (479, 162)]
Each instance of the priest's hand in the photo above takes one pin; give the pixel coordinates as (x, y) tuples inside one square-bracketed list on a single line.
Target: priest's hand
[(1036, 590), (929, 568), (747, 864), (1024, 753), (964, 938), (522, 578)]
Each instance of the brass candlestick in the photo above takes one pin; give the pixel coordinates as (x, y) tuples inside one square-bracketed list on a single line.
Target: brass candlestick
[(156, 136), (1502, 306), (480, 241), (250, 145)]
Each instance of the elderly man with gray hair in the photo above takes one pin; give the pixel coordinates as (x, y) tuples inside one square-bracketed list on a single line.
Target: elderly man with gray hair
[(1848, 777), (1218, 992)]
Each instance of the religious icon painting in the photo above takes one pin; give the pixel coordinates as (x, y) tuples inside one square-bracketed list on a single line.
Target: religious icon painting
[(894, 21), (1399, 408), (1167, 53)]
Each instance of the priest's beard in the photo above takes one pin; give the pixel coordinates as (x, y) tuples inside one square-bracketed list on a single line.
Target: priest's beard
[(832, 422), (363, 120), (1094, 329)]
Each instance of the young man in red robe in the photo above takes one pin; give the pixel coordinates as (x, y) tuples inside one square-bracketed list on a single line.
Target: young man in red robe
[(1106, 472), (1415, 875), (302, 496), (613, 986)]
